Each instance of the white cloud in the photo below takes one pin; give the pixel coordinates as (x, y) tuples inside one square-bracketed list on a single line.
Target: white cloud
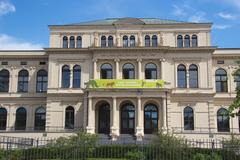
[(179, 11), (6, 7), (227, 16), (235, 3), (198, 17), (11, 43), (221, 27)]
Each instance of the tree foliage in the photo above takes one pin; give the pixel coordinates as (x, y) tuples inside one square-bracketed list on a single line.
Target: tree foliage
[(235, 106)]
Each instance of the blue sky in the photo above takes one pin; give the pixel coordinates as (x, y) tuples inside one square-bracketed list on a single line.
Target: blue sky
[(24, 23)]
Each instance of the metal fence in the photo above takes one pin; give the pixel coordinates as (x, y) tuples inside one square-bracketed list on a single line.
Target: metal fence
[(12, 148)]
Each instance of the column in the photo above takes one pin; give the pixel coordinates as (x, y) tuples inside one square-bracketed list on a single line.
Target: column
[(71, 76), (117, 68), (139, 68), (115, 120), (59, 75), (162, 60), (164, 115), (94, 69), (91, 117), (140, 120)]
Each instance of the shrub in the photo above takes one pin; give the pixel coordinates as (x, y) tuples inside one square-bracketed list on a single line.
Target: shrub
[(135, 155)]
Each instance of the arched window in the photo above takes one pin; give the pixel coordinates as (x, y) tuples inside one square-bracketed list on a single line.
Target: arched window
[(72, 42), (179, 41), (104, 118), (69, 118), (21, 119), (4, 80), (79, 42), (221, 80), (223, 120), (125, 41), (128, 71), (193, 76), (76, 76), (3, 119), (181, 74), (65, 76), (132, 41), (127, 119), (187, 41), (237, 80), (150, 119), (194, 41), (103, 41), (147, 41), (110, 41), (40, 119), (106, 71), (42, 80), (188, 118), (150, 71), (65, 42), (154, 41), (23, 81)]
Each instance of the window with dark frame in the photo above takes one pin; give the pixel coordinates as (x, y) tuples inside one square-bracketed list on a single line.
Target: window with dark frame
[(21, 119), (3, 119), (4, 80), (188, 118), (40, 119), (150, 119), (128, 71), (42, 81), (150, 71), (223, 120), (221, 80), (181, 76), (65, 76), (69, 118), (106, 71), (76, 76), (193, 76)]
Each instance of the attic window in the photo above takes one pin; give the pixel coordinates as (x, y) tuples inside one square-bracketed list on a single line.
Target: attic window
[(23, 63), (220, 62), (5, 63), (42, 63)]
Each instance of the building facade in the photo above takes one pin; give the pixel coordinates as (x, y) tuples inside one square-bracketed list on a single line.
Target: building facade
[(120, 76)]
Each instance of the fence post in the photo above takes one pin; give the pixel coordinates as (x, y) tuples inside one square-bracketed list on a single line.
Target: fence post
[(212, 149), (37, 142)]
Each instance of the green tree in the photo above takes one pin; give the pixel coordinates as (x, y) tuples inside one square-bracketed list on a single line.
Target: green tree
[(235, 106)]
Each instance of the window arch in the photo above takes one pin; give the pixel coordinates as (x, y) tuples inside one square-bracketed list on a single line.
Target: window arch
[(125, 41), (221, 80), (127, 118), (154, 41), (150, 71), (103, 41), (106, 71), (187, 41), (79, 42), (23, 81), (193, 76), (4, 80), (128, 71), (69, 117), (76, 76), (65, 76), (223, 120), (188, 118), (179, 41), (181, 74), (194, 41), (65, 42), (110, 41), (3, 119), (147, 41), (132, 41), (40, 119), (150, 119), (21, 119), (42, 80), (72, 42)]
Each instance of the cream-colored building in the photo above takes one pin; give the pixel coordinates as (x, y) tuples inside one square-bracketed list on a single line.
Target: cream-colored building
[(120, 76)]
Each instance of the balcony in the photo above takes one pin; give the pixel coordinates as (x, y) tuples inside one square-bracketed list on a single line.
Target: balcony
[(125, 83)]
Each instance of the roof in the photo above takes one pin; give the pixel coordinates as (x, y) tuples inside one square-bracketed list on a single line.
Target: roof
[(128, 20)]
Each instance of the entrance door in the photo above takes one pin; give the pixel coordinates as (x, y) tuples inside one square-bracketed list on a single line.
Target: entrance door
[(150, 119), (127, 119), (104, 119)]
